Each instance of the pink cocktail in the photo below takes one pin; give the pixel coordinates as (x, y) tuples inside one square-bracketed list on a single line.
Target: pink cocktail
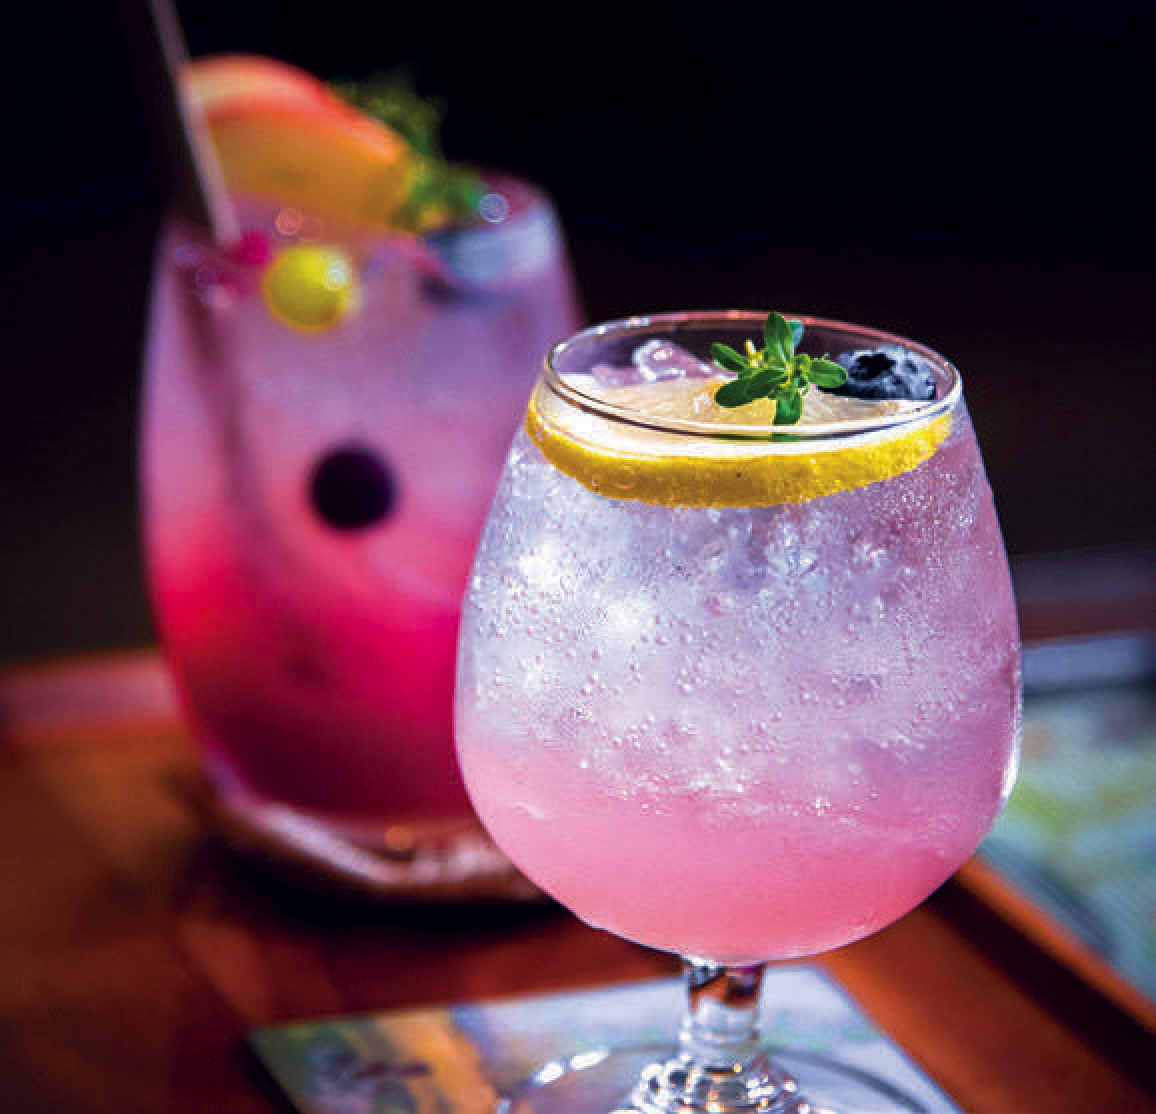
[(312, 497), (737, 690), (804, 716)]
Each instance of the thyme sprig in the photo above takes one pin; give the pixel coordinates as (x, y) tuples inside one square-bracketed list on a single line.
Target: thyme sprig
[(439, 190), (776, 371)]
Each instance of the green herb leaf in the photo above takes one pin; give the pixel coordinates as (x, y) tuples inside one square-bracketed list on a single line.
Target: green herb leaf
[(389, 96), (439, 191), (777, 371), (767, 382), (789, 407), (726, 357), (826, 373), (733, 394), (780, 337)]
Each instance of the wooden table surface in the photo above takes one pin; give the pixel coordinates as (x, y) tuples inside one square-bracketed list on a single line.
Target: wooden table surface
[(136, 952)]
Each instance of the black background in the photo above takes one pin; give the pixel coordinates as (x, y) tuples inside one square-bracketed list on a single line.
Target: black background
[(976, 175)]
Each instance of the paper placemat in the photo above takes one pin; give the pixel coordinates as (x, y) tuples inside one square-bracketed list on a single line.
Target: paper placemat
[(1078, 837), (467, 1058)]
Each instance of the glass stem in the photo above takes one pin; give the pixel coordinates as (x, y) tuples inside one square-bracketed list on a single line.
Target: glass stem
[(718, 1030), (721, 1067)]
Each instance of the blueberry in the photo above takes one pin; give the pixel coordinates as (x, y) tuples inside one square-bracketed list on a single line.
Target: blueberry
[(352, 487), (889, 372)]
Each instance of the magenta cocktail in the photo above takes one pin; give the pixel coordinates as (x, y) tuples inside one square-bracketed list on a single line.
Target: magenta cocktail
[(327, 408)]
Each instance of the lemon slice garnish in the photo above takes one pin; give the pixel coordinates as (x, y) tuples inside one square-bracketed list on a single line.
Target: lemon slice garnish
[(624, 460)]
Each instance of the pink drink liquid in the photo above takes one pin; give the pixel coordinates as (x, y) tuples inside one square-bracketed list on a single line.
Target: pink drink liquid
[(741, 734), (316, 659)]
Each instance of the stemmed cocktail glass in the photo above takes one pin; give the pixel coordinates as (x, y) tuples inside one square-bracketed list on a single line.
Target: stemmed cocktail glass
[(740, 691)]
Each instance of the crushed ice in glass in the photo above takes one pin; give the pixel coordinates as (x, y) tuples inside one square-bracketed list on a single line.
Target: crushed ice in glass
[(651, 362)]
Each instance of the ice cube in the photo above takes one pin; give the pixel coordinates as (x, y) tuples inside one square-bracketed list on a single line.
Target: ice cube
[(652, 362), (612, 375), (663, 359)]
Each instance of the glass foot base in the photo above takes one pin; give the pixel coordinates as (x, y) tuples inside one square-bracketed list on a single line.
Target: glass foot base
[(665, 1088), (642, 1080), (449, 861)]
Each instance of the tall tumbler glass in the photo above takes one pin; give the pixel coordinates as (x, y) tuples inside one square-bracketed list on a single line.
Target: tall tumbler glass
[(325, 417)]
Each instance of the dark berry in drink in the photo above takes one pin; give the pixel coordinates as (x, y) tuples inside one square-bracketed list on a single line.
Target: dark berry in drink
[(890, 372), (352, 488)]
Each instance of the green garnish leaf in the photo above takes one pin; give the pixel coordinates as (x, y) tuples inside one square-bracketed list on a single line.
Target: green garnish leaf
[(733, 394), (826, 373), (728, 358), (439, 191), (389, 96), (789, 407), (776, 371), (762, 383), (779, 337)]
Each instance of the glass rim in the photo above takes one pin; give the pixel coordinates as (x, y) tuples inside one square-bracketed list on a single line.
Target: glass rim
[(529, 204), (555, 380)]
